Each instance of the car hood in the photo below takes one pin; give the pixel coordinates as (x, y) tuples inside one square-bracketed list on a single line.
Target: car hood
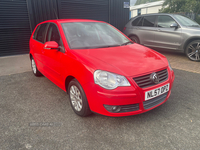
[(191, 27), (195, 29), (129, 60)]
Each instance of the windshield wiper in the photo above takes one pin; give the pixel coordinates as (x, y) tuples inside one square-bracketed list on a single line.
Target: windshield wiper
[(108, 46), (129, 42), (93, 47)]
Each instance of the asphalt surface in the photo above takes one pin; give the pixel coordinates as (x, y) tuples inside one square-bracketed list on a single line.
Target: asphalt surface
[(36, 114)]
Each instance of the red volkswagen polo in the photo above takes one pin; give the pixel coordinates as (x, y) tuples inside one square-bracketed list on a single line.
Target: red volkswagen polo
[(102, 70)]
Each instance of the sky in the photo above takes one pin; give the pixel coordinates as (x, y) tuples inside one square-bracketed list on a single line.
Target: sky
[(132, 2)]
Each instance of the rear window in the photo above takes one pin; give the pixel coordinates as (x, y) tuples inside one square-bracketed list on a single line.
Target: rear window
[(135, 22), (140, 22)]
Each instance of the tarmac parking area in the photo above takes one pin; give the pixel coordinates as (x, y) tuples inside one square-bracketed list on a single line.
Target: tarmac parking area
[(181, 62), (36, 114)]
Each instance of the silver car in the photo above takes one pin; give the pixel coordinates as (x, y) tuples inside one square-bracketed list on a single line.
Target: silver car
[(166, 31)]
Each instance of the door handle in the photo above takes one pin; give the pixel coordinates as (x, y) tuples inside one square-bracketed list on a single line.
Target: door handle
[(159, 30)]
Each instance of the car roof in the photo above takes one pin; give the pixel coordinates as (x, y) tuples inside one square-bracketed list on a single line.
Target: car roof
[(156, 14), (152, 14), (69, 20)]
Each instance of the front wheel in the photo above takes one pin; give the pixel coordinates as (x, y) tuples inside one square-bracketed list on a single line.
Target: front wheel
[(78, 99), (193, 50)]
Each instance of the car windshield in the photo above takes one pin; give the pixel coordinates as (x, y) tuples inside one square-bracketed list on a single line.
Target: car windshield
[(87, 35), (186, 21)]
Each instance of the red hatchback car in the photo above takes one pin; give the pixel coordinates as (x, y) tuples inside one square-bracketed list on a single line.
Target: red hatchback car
[(102, 70)]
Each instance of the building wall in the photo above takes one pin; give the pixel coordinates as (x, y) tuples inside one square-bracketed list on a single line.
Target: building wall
[(147, 8), (118, 15), (14, 27), (110, 11), (154, 9), (41, 10), (143, 11), (19, 17), (133, 13)]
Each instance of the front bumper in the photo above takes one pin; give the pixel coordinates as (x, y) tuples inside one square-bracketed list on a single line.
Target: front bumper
[(130, 99)]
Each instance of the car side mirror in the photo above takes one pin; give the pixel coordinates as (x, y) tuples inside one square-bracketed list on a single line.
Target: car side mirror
[(51, 45), (174, 25)]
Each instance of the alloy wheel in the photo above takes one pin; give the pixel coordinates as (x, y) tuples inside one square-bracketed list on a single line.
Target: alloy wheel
[(33, 66), (76, 98), (193, 51)]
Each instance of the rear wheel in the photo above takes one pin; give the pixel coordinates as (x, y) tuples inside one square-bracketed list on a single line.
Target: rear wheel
[(135, 39), (78, 99), (193, 50), (34, 68)]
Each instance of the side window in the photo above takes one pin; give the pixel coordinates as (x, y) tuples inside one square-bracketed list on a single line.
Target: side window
[(41, 33), (135, 22), (53, 34), (35, 33), (140, 22), (165, 21), (149, 21)]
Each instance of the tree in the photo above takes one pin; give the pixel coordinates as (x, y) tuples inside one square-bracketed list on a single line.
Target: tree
[(182, 6), (173, 6)]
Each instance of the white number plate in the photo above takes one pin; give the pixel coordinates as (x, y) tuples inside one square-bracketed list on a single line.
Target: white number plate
[(156, 92)]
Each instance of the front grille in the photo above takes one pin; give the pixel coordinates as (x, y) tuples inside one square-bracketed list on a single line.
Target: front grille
[(129, 108), (145, 81), (155, 101)]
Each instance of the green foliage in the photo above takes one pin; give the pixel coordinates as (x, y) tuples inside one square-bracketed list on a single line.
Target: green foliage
[(182, 6), (197, 19), (138, 2), (172, 6), (177, 6)]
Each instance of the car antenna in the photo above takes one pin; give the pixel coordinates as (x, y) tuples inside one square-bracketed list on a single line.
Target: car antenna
[(55, 13)]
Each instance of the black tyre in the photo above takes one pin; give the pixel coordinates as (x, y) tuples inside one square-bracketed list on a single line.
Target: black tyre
[(34, 68), (78, 99), (135, 39), (192, 50)]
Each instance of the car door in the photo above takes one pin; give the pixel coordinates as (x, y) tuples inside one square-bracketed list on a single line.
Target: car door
[(38, 44), (165, 36), (52, 58), (146, 29)]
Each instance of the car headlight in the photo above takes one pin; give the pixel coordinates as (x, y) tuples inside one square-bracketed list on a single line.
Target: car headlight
[(170, 65), (109, 80)]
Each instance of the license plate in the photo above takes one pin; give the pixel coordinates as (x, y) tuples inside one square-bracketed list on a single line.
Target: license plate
[(156, 92)]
